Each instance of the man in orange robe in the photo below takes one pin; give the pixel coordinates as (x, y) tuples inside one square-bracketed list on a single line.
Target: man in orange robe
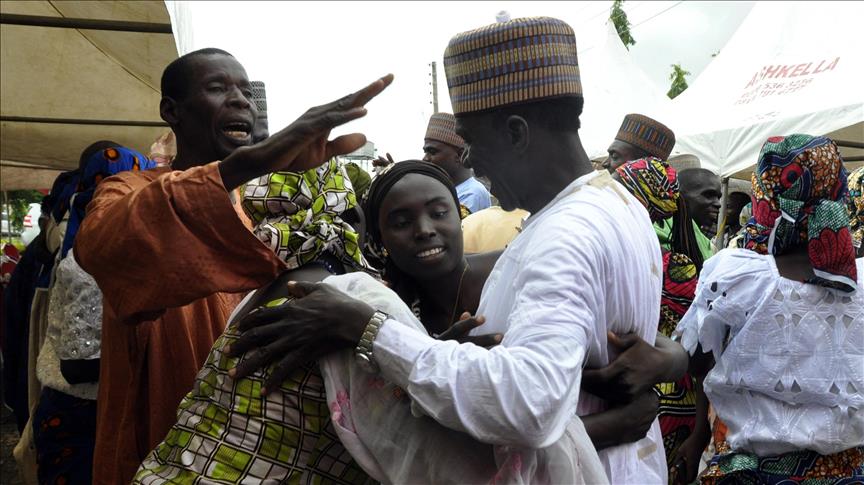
[(172, 251)]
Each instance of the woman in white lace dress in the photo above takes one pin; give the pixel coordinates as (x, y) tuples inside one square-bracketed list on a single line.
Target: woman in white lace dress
[(64, 421), (784, 320)]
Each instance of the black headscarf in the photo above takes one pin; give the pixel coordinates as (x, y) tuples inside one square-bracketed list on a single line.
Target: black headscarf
[(374, 251), (385, 181)]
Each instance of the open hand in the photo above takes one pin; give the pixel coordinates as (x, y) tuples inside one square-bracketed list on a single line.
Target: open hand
[(319, 320), (304, 144), (459, 332), (383, 162)]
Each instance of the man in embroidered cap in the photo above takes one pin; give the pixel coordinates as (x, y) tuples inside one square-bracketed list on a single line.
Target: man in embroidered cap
[(639, 137), (443, 147), (586, 263)]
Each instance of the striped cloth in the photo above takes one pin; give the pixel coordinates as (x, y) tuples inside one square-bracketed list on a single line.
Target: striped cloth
[(442, 127), (651, 136), (523, 60)]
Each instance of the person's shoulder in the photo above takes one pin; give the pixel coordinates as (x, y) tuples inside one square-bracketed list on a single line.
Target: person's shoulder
[(735, 265), (490, 213), (741, 258), (135, 178), (475, 186), (603, 206)]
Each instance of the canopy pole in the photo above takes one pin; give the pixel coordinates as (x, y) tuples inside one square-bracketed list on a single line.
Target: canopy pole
[(8, 210), (849, 144), (721, 219)]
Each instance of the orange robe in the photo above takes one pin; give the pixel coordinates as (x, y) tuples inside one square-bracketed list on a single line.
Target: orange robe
[(173, 258)]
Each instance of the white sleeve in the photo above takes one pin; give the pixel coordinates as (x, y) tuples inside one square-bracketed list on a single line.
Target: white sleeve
[(731, 285), (524, 391)]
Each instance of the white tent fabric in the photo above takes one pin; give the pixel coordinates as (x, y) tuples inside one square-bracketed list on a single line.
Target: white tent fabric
[(613, 87), (51, 75), (792, 67)]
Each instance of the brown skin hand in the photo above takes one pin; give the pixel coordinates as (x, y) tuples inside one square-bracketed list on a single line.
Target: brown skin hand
[(305, 143)]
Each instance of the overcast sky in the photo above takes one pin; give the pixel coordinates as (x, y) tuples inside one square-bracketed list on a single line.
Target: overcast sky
[(309, 53)]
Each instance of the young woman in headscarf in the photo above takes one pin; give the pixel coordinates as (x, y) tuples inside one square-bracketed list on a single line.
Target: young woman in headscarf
[(64, 422), (683, 407), (783, 319)]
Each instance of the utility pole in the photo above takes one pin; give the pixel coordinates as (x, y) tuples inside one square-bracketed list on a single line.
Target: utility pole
[(434, 87)]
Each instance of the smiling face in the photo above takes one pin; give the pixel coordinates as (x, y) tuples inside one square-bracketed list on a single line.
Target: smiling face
[(420, 227), (216, 114), (701, 189)]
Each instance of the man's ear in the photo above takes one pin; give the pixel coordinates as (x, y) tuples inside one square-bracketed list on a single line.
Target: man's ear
[(168, 110), (518, 133)]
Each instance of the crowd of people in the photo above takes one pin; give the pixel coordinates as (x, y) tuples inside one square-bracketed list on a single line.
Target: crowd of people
[(240, 307)]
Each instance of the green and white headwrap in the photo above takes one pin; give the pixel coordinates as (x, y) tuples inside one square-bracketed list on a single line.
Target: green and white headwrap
[(299, 215)]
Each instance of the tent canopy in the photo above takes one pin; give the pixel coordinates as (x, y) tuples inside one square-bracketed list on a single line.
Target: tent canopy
[(614, 87), (74, 73), (762, 85)]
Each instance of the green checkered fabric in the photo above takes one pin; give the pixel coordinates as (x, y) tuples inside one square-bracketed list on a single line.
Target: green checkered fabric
[(226, 432), (299, 215)]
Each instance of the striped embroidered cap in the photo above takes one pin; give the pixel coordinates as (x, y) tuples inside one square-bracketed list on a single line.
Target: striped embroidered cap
[(513, 62), (649, 135), (259, 97), (442, 127)]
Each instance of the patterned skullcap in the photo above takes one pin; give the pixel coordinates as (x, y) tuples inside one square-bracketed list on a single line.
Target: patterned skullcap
[(649, 135), (259, 96), (514, 62), (442, 127)]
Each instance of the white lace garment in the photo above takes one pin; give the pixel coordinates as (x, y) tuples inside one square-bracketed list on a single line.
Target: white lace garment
[(74, 327), (789, 372)]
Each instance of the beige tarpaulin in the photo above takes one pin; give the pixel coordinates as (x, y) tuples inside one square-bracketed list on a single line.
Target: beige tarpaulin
[(74, 72)]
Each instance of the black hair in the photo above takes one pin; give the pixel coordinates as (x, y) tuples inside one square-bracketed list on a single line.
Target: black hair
[(688, 175), (93, 148), (174, 77), (740, 197), (553, 114), (402, 283), (684, 235)]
